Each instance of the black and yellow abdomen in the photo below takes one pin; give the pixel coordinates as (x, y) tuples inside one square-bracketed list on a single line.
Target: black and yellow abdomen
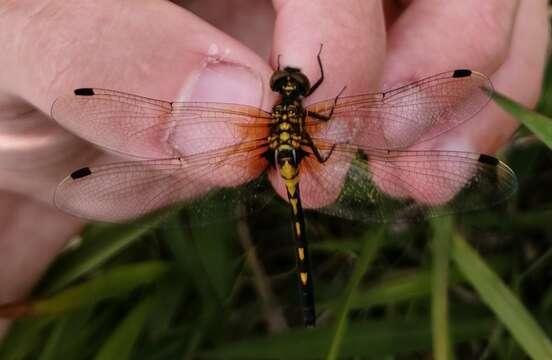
[(288, 165)]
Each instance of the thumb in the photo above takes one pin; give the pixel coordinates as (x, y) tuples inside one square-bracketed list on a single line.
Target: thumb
[(154, 49), (353, 38)]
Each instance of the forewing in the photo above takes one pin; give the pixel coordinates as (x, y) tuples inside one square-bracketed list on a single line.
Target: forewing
[(387, 185), (402, 117), (150, 129), (125, 191)]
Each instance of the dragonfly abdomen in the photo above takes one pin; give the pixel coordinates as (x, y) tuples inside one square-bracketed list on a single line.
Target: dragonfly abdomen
[(288, 165)]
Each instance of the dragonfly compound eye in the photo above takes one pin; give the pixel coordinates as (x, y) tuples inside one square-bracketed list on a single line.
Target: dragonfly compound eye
[(301, 82), (278, 80)]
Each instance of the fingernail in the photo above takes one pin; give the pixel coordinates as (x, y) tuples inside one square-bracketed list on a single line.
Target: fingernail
[(225, 82), (214, 129)]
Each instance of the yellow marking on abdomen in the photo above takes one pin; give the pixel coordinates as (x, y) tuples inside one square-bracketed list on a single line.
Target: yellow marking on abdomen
[(298, 228), (291, 185), (301, 253), (304, 278), (288, 171), (293, 203)]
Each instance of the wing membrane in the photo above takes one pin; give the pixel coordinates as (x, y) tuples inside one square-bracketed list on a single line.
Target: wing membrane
[(383, 185), (199, 150), (146, 128), (121, 192), (411, 114)]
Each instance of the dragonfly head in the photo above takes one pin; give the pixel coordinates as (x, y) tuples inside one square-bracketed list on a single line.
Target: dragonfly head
[(290, 82)]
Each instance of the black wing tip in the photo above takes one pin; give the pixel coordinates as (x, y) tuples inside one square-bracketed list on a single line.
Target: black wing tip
[(84, 92), (80, 173), (460, 73), (487, 159)]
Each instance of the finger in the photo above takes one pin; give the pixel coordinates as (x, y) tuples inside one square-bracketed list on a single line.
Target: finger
[(353, 38), (519, 76), (152, 48), (35, 154), (431, 37), (238, 18), (31, 236), (155, 49)]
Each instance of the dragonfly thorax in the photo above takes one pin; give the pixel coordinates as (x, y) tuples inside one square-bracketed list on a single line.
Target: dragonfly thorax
[(288, 118), (287, 126)]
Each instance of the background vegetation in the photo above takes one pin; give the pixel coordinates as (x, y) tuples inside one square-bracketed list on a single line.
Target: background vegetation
[(473, 286)]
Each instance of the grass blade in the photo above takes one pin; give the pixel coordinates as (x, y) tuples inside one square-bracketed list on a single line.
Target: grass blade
[(517, 319), (23, 338), (367, 253), (440, 278), (364, 340), (121, 342), (104, 242), (114, 283), (405, 286), (539, 125)]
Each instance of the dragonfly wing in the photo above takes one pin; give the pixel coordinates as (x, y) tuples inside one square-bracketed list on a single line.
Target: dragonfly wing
[(122, 192), (150, 129), (388, 184), (404, 116)]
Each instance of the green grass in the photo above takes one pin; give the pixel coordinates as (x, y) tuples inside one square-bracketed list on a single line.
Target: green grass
[(501, 300), (368, 252), (439, 287), (472, 286)]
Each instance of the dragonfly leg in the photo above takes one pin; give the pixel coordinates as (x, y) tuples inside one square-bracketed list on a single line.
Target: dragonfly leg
[(321, 159), (321, 117), (321, 79)]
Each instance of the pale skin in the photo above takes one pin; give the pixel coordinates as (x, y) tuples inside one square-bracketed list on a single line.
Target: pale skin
[(155, 49)]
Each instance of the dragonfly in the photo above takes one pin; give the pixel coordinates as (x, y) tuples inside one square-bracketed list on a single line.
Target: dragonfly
[(348, 156)]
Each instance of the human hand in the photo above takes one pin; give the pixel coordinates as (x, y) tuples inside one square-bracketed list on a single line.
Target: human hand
[(151, 48), (158, 50), (506, 40)]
